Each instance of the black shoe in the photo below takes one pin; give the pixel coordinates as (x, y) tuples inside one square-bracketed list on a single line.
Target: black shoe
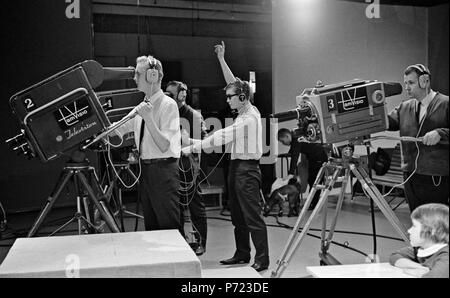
[(234, 260), (200, 250), (259, 267)]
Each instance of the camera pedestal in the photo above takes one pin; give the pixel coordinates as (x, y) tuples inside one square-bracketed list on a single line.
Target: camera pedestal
[(347, 164), (77, 172)]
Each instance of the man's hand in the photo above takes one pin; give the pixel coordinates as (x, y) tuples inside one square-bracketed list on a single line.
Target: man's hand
[(187, 150), (194, 148), (220, 50), (431, 138), (185, 140), (144, 109)]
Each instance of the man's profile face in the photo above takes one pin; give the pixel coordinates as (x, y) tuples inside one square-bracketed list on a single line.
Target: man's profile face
[(412, 86), (233, 98), (182, 93), (139, 77), (178, 94)]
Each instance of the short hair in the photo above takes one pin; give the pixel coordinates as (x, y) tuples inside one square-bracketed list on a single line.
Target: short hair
[(241, 87), (418, 69), (283, 132), (147, 61), (434, 220), (177, 84)]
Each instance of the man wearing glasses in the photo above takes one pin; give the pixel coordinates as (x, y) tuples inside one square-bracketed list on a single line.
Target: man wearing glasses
[(244, 138)]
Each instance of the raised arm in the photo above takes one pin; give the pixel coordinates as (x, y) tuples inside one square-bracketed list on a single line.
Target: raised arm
[(227, 73)]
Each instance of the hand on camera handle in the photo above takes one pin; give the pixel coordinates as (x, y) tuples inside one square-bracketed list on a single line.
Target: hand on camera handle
[(143, 109), (431, 138)]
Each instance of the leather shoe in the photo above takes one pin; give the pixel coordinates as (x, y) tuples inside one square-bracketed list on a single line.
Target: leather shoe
[(200, 250), (233, 260), (259, 267)]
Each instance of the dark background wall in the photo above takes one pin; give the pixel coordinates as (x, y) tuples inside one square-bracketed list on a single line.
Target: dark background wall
[(438, 46), (38, 40)]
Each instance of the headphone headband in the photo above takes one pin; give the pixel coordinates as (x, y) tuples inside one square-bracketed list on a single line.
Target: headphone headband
[(421, 68)]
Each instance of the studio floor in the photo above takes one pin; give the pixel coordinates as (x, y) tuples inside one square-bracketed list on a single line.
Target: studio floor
[(354, 219)]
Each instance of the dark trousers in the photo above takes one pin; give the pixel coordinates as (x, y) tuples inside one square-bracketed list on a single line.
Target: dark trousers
[(158, 190), (190, 197), (244, 180), (420, 189)]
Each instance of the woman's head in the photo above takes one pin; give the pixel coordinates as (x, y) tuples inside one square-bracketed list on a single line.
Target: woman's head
[(430, 225)]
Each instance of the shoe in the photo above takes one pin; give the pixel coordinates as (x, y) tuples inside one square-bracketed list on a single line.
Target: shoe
[(200, 250), (233, 261), (259, 267)]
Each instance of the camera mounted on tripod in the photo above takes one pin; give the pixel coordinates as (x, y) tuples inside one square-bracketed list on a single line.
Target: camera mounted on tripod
[(62, 112), (340, 112)]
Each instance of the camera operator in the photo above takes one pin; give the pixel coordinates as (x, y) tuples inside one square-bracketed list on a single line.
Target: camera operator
[(157, 135), (314, 153), (190, 165), (425, 115), (245, 137)]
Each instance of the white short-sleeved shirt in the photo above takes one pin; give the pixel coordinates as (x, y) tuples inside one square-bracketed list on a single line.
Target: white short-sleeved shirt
[(167, 119), (245, 135)]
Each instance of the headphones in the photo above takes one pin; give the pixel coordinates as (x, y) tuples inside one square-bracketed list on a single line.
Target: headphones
[(152, 75), (242, 97), (423, 75)]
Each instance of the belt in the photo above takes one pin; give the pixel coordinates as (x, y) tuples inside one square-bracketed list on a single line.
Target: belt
[(158, 160), (255, 161)]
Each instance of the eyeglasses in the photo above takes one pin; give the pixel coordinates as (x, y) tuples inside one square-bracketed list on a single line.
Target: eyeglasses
[(229, 96)]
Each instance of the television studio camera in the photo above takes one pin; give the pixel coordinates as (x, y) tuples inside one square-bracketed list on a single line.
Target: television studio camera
[(340, 115), (58, 117)]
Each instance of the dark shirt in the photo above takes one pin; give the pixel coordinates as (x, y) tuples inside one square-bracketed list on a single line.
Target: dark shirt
[(192, 121), (314, 152), (431, 160), (437, 262)]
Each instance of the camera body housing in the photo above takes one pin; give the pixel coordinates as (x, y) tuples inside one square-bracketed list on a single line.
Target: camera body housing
[(61, 112), (343, 111)]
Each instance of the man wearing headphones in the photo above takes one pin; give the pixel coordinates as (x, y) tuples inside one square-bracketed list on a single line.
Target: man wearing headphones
[(193, 127), (425, 114), (244, 176), (157, 135)]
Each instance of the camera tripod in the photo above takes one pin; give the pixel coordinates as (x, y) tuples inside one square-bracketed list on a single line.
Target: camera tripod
[(347, 164), (84, 173), (122, 167)]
